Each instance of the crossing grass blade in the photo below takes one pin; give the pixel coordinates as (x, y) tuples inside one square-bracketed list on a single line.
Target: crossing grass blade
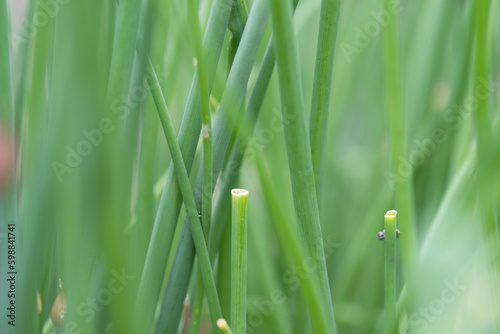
[(206, 132), (222, 130), (189, 201), (169, 207)]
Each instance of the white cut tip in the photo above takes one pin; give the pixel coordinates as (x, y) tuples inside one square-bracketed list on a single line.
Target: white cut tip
[(239, 192)]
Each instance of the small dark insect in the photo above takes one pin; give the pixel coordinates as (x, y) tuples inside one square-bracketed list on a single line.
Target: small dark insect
[(381, 235)]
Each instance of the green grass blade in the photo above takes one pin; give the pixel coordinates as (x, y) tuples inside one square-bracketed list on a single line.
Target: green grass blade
[(8, 205), (299, 151), (404, 187), (197, 307), (236, 25), (144, 208), (238, 317), (223, 126), (224, 327), (118, 185), (391, 322), (157, 12), (222, 212), (124, 47), (322, 87), (170, 202), (6, 108), (293, 249), (192, 212), (206, 130), (7, 115), (487, 206)]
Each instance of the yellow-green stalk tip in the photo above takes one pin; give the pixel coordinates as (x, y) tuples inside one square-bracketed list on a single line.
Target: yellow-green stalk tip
[(391, 214)]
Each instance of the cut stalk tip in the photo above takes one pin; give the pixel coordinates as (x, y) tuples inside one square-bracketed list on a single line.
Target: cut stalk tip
[(239, 192), (223, 326), (391, 214)]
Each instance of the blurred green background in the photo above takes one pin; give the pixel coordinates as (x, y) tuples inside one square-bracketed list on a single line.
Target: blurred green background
[(75, 192)]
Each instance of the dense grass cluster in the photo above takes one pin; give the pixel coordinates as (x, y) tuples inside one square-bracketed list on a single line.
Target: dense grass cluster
[(171, 166)]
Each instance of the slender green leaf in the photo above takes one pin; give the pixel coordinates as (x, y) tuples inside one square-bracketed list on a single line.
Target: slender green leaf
[(323, 74), (391, 322), (169, 207), (189, 201), (299, 150), (239, 264), (223, 126)]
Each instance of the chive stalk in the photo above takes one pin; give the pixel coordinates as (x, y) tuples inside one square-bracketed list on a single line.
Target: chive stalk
[(293, 249), (237, 22), (391, 323), (253, 108), (404, 187), (223, 326), (206, 130), (239, 199), (171, 200), (223, 126), (487, 212), (149, 141), (117, 188), (298, 147), (322, 86), (189, 201), (6, 108)]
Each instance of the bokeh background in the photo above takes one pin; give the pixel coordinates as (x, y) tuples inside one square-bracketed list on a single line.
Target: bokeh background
[(76, 214)]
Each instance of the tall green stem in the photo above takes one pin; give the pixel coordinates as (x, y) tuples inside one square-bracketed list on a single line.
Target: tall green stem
[(322, 87), (7, 117), (206, 130), (237, 22), (6, 108), (225, 120), (252, 112), (223, 326), (292, 248), (238, 319), (404, 187), (487, 210), (171, 200), (391, 322), (189, 201), (117, 188), (298, 147), (7, 114), (148, 152)]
